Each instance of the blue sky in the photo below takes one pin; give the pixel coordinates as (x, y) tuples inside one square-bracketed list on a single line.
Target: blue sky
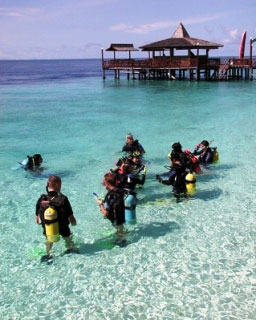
[(59, 29)]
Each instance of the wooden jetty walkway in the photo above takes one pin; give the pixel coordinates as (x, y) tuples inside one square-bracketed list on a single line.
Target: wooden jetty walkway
[(162, 63)]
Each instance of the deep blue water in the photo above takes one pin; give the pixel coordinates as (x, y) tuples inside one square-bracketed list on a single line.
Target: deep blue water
[(188, 260), (35, 71)]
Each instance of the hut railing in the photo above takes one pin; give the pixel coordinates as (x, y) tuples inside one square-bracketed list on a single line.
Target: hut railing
[(156, 63), (178, 63), (212, 63), (175, 62), (126, 64), (238, 63)]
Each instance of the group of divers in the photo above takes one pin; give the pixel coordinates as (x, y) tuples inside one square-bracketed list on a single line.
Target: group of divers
[(54, 212)]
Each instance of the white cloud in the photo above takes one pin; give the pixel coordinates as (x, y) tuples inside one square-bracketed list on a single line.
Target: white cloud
[(146, 28), (231, 36), (19, 12), (234, 33)]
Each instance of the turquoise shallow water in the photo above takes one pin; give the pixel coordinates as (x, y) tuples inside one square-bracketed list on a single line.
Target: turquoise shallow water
[(191, 260)]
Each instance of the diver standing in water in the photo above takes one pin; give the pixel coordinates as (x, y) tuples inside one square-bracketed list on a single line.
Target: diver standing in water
[(32, 163), (204, 151), (178, 171), (54, 212), (133, 146), (112, 207)]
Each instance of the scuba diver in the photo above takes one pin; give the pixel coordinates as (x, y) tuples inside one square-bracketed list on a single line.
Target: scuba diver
[(137, 166), (204, 151), (133, 146), (180, 166), (176, 178), (179, 159), (127, 178), (54, 213), (128, 182), (32, 163), (112, 207)]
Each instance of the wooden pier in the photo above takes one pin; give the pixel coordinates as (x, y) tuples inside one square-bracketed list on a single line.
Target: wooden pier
[(163, 64)]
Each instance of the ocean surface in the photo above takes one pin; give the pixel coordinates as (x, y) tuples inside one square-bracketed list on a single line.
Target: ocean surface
[(189, 260)]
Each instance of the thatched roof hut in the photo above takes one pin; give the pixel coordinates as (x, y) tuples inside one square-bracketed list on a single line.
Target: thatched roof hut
[(121, 47), (180, 40)]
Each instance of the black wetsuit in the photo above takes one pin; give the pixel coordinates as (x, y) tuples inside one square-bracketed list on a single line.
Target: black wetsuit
[(59, 202), (135, 146), (176, 176), (204, 156), (128, 181), (114, 205)]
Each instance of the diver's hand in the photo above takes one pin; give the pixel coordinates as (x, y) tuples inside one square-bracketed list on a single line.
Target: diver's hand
[(100, 202), (198, 146), (158, 178), (38, 220)]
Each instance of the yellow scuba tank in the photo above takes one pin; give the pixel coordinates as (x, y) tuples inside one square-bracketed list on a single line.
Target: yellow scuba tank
[(51, 225), (215, 155), (190, 183)]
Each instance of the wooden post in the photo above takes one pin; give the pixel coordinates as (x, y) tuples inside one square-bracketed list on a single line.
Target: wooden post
[(197, 69), (251, 68), (190, 74), (251, 52), (102, 63)]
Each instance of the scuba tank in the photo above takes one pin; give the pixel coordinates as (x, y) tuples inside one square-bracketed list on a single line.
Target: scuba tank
[(130, 202), (51, 225), (190, 183), (215, 155)]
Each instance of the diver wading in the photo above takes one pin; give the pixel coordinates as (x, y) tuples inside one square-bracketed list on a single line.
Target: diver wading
[(54, 212)]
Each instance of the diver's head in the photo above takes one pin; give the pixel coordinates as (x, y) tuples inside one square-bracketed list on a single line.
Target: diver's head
[(54, 184), (110, 180), (38, 159), (177, 147), (126, 166), (129, 138), (205, 143), (135, 159), (34, 162)]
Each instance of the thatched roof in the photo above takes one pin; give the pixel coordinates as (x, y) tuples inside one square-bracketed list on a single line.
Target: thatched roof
[(121, 47), (181, 40)]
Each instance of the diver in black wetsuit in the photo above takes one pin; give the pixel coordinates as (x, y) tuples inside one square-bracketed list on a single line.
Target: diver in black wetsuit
[(65, 215), (133, 146), (128, 179), (176, 176), (32, 163), (204, 151), (112, 207)]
